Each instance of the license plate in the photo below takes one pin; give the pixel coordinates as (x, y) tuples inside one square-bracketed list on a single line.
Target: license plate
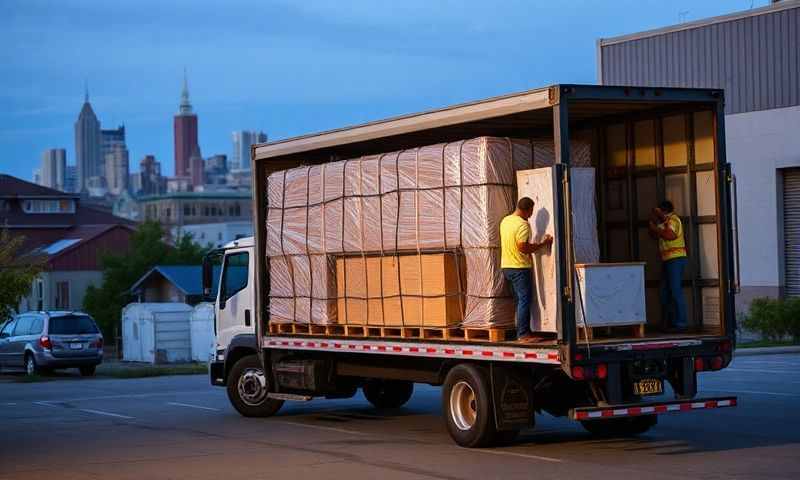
[(76, 346), (648, 386)]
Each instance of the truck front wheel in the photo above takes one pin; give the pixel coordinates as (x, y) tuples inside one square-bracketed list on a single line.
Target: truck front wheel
[(467, 406), (387, 393), (248, 389), (620, 427)]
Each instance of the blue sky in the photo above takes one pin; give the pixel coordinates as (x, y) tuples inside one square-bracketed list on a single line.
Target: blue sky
[(286, 67)]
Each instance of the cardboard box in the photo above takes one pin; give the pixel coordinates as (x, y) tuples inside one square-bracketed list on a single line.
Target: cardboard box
[(404, 290)]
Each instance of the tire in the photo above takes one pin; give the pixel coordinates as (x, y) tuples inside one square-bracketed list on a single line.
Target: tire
[(88, 371), (31, 368), (620, 427), (467, 406), (248, 388), (388, 393)]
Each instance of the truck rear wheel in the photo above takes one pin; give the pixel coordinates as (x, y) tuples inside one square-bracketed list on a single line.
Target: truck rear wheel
[(620, 427), (248, 389), (467, 406), (387, 393)]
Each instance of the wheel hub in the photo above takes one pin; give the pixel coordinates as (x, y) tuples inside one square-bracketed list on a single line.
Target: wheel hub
[(252, 386), (463, 406)]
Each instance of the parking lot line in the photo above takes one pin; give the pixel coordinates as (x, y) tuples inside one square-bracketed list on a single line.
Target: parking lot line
[(516, 454), (107, 414), (200, 407), (319, 427)]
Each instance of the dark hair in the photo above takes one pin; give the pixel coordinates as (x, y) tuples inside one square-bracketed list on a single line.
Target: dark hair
[(666, 205), (525, 204)]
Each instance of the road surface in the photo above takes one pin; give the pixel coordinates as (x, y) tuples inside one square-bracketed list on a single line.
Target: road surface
[(181, 427)]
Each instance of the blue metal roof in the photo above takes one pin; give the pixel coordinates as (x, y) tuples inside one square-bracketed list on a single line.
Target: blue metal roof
[(186, 278)]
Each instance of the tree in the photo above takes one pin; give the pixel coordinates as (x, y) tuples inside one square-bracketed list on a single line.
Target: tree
[(17, 272), (120, 272)]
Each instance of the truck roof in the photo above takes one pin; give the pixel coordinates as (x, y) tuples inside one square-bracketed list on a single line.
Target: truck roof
[(525, 113), (240, 242)]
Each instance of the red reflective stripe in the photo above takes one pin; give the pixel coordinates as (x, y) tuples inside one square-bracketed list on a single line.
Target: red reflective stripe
[(531, 355), (581, 415), (607, 413), (382, 348), (466, 352), (430, 350), (397, 349), (733, 402), (487, 353), (450, 351), (635, 411), (661, 408), (508, 354), (413, 349), (324, 344), (711, 404), (552, 356), (686, 407)]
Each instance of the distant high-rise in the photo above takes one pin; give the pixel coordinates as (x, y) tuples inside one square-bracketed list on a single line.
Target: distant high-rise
[(242, 140), (88, 156), (109, 139), (150, 172), (116, 163), (197, 168), (71, 179), (185, 131), (53, 169)]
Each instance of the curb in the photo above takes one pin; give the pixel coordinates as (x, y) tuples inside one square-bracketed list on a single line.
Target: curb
[(745, 352)]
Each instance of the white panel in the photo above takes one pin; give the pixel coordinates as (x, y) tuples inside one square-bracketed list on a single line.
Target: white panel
[(708, 251), (791, 229), (706, 194), (611, 295)]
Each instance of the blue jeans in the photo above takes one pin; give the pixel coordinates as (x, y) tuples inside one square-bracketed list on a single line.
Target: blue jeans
[(672, 292), (522, 287)]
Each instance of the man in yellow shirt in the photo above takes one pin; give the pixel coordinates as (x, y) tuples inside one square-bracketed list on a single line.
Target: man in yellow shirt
[(666, 226), (515, 235)]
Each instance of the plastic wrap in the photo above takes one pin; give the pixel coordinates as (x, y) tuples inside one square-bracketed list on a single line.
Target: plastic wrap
[(438, 198)]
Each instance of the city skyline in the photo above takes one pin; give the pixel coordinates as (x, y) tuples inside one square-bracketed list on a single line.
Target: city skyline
[(339, 67)]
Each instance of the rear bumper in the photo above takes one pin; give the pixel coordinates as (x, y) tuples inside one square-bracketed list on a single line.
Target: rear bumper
[(654, 408), (216, 372), (47, 360)]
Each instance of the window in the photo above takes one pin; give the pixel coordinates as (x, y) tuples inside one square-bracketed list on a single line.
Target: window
[(38, 294), (62, 295), (36, 327), (65, 205), (72, 325), (238, 210), (231, 211), (186, 211), (235, 274), (168, 213), (7, 329), (24, 324)]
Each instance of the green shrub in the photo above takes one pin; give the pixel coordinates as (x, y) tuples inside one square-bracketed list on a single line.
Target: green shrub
[(774, 319)]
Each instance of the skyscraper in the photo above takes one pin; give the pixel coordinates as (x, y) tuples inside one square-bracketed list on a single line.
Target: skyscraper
[(116, 165), (152, 181), (242, 140), (53, 169), (185, 131), (87, 145), (108, 140), (196, 168), (71, 179)]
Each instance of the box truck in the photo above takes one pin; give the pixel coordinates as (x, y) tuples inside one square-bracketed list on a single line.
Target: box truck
[(644, 145)]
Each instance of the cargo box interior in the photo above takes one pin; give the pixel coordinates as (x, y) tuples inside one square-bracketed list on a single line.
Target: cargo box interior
[(646, 145)]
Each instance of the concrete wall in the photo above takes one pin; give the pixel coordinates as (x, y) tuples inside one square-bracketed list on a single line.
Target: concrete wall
[(760, 144)]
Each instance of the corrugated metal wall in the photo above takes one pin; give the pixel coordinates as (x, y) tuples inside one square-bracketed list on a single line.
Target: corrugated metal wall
[(755, 59)]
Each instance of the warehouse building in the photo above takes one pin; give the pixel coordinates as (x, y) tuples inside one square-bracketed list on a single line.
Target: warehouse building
[(755, 56)]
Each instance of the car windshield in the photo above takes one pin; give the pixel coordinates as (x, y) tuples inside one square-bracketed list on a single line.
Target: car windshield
[(72, 325)]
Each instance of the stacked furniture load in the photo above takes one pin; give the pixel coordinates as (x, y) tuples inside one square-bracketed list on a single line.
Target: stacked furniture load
[(402, 239)]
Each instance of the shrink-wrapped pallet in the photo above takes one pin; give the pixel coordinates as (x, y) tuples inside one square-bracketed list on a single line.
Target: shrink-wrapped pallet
[(441, 198)]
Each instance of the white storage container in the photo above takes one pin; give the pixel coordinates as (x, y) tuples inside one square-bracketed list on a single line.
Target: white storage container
[(202, 331), (156, 332), (609, 294)]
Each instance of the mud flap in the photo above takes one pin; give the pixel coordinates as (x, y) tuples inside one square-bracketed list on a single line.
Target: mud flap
[(512, 395)]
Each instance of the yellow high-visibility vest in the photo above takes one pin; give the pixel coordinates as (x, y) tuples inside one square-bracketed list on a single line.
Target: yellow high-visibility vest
[(670, 249)]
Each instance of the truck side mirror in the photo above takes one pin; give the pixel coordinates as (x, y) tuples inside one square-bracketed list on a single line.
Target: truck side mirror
[(208, 275)]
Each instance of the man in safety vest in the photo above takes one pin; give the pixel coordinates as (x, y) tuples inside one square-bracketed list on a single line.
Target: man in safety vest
[(515, 235), (666, 226)]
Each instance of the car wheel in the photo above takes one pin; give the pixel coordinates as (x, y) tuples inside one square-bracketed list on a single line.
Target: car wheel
[(88, 371), (248, 389), (30, 365), (387, 393), (620, 427), (467, 404)]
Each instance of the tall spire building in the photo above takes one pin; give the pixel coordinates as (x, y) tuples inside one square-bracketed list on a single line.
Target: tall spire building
[(185, 130), (88, 156)]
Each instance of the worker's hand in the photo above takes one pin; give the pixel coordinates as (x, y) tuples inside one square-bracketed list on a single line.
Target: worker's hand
[(547, 240)]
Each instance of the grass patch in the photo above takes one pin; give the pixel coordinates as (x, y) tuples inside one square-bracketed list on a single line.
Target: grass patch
[(142, 371), (767, 343)]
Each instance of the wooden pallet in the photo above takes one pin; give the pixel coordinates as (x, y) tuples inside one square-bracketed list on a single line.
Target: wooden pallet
[(636, 331), (374, 331)]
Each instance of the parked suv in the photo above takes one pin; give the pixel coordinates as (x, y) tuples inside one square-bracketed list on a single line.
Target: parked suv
[(40, 341)]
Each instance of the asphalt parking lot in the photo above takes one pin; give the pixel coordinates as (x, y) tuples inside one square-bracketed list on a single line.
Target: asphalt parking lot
[(181, 427)]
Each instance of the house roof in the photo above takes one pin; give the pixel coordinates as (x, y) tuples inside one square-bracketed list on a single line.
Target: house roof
[(186, 278), (17, 188)]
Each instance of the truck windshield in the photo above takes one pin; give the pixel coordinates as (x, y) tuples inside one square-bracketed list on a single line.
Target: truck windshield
[(72, 325)]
